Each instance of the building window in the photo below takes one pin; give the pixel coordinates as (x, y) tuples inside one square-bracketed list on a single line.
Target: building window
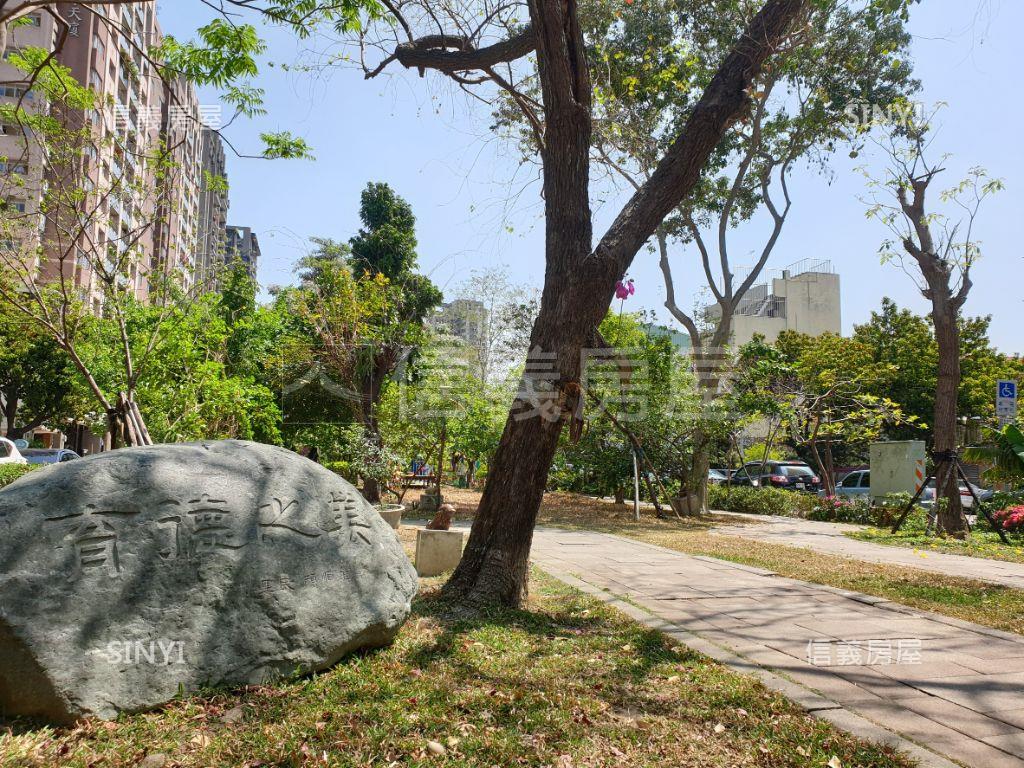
[(13, 92)]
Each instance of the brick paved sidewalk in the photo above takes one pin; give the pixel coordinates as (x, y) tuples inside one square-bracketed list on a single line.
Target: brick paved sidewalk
[(828, 538), (881, 670)]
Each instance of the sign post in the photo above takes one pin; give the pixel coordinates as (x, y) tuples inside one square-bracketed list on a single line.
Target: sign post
[(1006, 402)]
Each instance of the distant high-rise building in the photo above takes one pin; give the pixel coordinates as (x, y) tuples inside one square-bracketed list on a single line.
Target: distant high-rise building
[(805, 298), (243, 245), (213, 208), (465, 319)]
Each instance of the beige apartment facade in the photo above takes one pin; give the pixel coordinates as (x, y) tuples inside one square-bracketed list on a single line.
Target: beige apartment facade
[(804, 298), (212, 236)]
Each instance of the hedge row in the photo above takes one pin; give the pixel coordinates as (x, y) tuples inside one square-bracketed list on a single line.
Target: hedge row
[(759, 501), (11, 472)]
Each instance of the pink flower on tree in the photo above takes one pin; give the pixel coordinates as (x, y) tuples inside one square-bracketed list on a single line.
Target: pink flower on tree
[(623, 290)]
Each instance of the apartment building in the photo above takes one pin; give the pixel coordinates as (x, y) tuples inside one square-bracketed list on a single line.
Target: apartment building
[(21, 162), (804, 298), (143, 127), (213, 208), (105, 51), (176, 243), (243, 245)]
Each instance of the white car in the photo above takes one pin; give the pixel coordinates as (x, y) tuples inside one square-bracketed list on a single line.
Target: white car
[(984, 494), (9, 453)]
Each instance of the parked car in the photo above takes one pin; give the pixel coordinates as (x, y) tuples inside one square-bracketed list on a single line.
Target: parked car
[(790, 475), (9, 453), (965, 495), (855, 484), (717, 477), (49, 455)]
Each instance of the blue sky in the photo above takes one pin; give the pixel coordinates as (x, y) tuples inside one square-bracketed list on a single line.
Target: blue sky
[(474, 208)]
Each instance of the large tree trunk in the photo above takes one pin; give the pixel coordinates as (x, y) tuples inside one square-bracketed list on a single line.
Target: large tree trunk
[(579, 284), (709, 367), (946, 306), (947, 336), (494, 565), (697, 477), (372, 386)]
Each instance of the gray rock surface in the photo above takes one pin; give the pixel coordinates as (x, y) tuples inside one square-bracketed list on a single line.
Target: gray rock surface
[(130, 575)]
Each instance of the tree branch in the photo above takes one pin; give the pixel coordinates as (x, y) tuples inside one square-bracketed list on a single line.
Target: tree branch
[(722, 103), (455, 53)]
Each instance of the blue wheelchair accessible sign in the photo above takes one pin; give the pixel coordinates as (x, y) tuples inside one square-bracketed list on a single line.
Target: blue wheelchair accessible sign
[(1006, 402)]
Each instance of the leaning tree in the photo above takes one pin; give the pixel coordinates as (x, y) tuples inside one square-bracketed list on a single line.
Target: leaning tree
[(845, 54), (476, 43), (944, 250)]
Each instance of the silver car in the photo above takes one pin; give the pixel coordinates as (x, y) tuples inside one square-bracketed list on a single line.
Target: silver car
[(49, 455), (855, 484), (965, 495)]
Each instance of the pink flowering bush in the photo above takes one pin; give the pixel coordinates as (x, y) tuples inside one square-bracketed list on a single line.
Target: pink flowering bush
[(836, 509), (1011, 518)]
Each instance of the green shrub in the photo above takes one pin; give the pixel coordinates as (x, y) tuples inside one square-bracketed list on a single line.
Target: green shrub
[(11, 472), (759, 501), (836, 509), (343, 468), (1006, 499)]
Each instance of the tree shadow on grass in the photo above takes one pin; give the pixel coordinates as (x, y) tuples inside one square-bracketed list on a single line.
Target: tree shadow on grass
[(580, 622)]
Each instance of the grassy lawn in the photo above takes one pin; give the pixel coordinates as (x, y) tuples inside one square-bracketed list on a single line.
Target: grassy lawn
[(985, 544), (568, 683), (979, 602)]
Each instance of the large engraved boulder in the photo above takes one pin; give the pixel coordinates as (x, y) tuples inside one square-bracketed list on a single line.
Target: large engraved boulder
[(132, 575)]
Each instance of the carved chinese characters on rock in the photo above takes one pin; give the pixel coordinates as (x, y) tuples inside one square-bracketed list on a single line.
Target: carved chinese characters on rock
[(93, 535), (341, 514), (198, 528), (280, 516), (345, 514)]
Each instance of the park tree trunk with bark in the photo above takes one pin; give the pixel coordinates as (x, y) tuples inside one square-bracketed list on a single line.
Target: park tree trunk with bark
[(938, 272), (371, 384), (945, 261), (945, 314), (580, 281)]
